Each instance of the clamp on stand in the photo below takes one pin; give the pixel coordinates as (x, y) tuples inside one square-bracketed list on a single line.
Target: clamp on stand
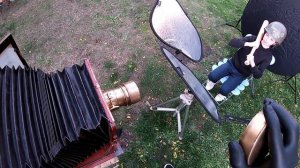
[(186, 100)]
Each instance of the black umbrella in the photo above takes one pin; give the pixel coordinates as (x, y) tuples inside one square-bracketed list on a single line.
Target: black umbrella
[(287, 55)]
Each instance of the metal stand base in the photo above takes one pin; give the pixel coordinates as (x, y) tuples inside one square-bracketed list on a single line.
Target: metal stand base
[(186, 100)]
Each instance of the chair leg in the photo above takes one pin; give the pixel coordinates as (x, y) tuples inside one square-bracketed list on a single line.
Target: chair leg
[(252, 87)]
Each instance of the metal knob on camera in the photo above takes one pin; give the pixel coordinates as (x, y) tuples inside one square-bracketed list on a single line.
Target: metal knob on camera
[(126, 94)]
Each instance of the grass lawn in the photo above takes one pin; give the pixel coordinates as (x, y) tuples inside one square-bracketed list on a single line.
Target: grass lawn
[(116, 37), (205, 142)]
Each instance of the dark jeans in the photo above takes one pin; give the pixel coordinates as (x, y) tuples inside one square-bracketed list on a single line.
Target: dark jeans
[(234, 77)]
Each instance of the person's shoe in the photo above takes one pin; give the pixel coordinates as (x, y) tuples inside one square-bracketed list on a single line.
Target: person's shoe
[(220, 97), (209, 85), (168, 166)]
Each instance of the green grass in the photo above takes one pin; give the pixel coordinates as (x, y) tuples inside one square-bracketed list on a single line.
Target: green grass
[(154, 73), (120, 29), (157, 141), (119, 75), (228, 10), (205, 142), (29, 47), (44, 60), (131, 67), (109, 64)]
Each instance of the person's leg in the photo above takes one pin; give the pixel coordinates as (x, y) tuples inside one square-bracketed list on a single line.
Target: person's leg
[(220, 72), (231, 83)]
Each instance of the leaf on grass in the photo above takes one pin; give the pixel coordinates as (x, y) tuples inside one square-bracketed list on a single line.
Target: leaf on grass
[(174, 155)]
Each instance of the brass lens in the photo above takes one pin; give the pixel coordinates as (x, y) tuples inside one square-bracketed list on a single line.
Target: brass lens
[(126, 94)]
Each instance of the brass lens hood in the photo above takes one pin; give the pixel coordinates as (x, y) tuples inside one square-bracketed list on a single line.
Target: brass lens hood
[(126, 94), (252, 139)]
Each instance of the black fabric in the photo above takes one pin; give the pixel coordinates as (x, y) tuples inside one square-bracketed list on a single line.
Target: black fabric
[(283, 134), (287, 12), (49, 120), (262, 57), (237, 156), (240, 42)]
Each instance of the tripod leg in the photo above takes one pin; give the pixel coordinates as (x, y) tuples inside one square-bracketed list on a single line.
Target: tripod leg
[(187, 109), (164, 103), (178, 123), (178, 109), (252, 87)]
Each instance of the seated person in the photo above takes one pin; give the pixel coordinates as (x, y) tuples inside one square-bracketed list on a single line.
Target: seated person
[(236, 68)]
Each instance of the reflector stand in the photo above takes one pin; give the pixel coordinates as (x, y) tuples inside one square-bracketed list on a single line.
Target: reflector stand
[(186, 100), (194, 86)]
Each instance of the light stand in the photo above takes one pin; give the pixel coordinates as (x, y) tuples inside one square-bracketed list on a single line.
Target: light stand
[(286, 80), (186, 100)]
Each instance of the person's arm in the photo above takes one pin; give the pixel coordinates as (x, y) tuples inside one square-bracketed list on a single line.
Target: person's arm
[(258, 70), (256, 43), (241, 42)]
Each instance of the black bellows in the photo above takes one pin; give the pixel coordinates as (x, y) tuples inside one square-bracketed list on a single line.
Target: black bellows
[(49, 120)]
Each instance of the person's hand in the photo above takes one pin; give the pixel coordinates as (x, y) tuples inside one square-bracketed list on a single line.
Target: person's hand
[(250, 56), (283, 133), (250, 60)]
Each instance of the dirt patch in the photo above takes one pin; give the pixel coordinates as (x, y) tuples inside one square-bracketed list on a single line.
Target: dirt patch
[(53, 34), (56, 34)]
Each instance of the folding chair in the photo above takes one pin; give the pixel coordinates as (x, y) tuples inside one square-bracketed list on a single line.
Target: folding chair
[(248, 81)]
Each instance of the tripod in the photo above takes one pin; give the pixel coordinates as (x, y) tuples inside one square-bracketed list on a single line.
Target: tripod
[(186, 100)]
